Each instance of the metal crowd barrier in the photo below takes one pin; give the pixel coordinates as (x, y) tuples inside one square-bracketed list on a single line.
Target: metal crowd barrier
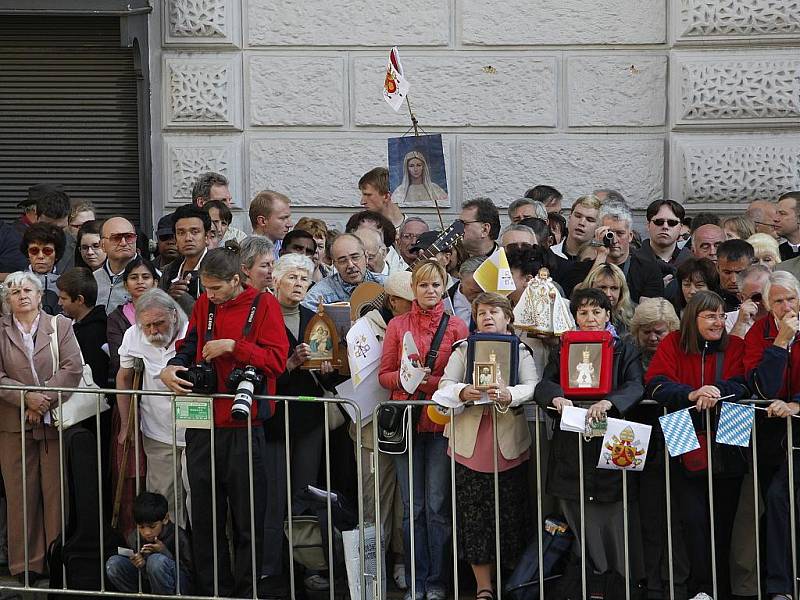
[(102, 592), (371, 583)]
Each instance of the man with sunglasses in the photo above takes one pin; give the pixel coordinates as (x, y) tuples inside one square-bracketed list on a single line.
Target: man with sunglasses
[(118, 240), (664, 219)]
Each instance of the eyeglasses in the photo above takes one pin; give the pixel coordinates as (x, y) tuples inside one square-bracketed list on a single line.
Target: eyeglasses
[(343, 261), (468, 222), (713, 317), (670, 222), (93, 247), (118, 238), (409, 237), (46, 250)]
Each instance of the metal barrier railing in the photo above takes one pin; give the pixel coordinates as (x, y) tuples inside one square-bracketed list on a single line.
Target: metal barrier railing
[(371, 584)]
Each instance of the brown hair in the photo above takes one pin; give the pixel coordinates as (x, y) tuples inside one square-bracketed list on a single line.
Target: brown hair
[(428, 269), (316, 227), (702, 301), (261, 206), (223, 263), (377, 178), (492, 299)]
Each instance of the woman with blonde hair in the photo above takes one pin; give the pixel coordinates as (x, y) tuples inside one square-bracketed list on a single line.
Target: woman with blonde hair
[(740, 227), (318, 230), (417, 187), (652, 320), (767, 251), (610, 280)]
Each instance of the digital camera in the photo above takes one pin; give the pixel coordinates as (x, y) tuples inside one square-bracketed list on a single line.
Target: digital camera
[(203, 378), (243, 383), (609, 238)]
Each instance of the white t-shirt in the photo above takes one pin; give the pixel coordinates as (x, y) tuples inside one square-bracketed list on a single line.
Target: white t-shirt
[(155, 411)]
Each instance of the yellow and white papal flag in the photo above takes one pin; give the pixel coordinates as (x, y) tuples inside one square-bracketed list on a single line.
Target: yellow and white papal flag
[(395, 86), (494, 274)]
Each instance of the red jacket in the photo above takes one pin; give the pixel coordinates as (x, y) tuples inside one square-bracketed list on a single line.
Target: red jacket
[(765, 363), (265, 348), (422, 324), (672, 373)]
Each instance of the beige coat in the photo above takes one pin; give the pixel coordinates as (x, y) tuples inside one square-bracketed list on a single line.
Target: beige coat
[(513, 435), (15, 367)]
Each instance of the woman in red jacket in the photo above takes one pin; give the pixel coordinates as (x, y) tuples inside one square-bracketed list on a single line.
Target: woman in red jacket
[(431, 485), (695, 367)]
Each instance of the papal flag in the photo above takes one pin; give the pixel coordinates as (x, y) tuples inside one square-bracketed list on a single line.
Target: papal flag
[(395, 86), (494, 275), (625, 445)]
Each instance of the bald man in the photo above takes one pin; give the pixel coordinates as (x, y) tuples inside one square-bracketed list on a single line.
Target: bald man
[(118, 240), (376, 250), (763, 214), (705, 241)]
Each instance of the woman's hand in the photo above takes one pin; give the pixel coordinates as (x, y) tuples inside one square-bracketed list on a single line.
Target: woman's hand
[(560, 403), (427, 375), (215, 348), (169, 377), (326, 368), (500, 395), (37, 402), (470, 394), (32, 417), (705, 397), (300, 355), (782, 409), (598, 410)]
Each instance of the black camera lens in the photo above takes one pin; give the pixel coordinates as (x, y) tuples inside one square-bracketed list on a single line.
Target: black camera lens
[(608, 239)]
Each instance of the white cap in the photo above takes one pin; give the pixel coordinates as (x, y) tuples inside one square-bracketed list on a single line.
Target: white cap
[(399, 284)]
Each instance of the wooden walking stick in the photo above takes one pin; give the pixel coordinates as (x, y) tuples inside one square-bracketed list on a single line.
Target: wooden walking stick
[(133, 415)]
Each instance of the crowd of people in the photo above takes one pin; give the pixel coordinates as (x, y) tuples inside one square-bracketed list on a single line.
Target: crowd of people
[(704, 308)]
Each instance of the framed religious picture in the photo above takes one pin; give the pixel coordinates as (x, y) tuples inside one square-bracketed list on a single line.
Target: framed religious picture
[(493, 358), (417, 172), (323, 339), (586, 364)]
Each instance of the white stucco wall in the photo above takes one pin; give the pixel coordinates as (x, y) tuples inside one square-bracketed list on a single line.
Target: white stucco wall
[(698, 100)]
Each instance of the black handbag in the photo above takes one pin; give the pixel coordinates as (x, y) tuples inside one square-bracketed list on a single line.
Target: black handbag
[(392, 421)]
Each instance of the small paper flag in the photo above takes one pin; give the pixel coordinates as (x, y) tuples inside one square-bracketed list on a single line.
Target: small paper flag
[(625, 445), (679, 433), (410, 374), (735, 424), (395, 86), (494, 275)]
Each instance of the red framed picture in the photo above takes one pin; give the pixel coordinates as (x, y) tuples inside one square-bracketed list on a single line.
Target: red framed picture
[(587, 360)]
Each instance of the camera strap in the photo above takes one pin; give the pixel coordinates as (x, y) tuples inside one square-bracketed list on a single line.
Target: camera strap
[(208, 334), (251, 316)]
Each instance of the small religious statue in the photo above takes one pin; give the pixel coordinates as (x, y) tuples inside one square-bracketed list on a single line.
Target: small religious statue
[(585, 371), (541, 309)]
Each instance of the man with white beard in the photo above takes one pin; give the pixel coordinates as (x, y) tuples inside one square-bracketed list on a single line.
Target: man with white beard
[(160, 322)]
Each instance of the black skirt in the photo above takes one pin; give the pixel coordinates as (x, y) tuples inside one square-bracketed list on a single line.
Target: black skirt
[(476, 516)]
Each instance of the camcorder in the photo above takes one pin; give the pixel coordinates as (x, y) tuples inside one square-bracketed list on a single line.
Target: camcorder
[(243, 382), (609, 238), (203, 378)]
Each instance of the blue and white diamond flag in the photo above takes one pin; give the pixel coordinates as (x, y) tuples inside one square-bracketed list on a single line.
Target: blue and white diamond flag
[(679, 433), (735, 424)]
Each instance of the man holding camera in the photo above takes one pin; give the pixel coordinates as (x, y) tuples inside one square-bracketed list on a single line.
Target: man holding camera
[(236, 343)]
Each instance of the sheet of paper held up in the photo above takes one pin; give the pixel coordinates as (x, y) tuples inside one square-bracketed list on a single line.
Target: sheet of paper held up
[(573, 419), (411, 373)]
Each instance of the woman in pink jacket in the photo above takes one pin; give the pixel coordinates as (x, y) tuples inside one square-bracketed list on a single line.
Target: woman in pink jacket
[(431, 485)]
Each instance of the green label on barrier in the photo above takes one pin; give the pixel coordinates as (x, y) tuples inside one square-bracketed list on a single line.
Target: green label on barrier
[(306, 398), (193, 413)]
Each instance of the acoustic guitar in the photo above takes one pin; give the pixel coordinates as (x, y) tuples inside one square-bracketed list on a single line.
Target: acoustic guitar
[(371, 296)]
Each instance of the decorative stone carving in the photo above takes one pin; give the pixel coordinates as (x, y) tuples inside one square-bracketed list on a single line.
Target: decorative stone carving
[(718, 89), (186, 157), (738, 170), (738, 18), (202, 92), (201, 22)]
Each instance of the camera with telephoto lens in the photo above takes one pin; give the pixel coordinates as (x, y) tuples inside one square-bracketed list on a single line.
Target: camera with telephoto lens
[(609, 238), (243, 382), (203, 378)]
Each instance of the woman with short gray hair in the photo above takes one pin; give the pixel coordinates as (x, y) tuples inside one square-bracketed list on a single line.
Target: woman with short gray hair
[(258, 258)]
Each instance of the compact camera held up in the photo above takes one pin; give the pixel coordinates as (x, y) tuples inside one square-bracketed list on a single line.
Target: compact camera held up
[(203, 378), (243, 382), (609, 238)]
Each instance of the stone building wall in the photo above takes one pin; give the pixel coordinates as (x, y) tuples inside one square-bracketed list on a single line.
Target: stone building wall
[(695, 99)]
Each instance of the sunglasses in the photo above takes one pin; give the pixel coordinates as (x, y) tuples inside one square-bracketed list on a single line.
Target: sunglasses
[(166, 237), (35, 250), (118, 238), (670, 222), (757, 297)]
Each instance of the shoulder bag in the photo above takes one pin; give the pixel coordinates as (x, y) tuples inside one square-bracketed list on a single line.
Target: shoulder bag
[(80, 405)]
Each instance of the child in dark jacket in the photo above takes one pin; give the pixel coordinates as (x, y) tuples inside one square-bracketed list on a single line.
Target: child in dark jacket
[(156, 557)]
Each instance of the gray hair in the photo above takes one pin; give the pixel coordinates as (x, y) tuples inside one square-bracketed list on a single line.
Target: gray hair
[(617, 211), (611, 195), (377, 238), (159, 299), (291, 262), (16, 279), (782, 279), (252, 247), (540, 212), (520, 227), (202, 186), (411, 220), (471, 265), (743, 276)]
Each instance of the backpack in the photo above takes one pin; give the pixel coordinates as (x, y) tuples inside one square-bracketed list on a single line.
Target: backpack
[(556, 541)]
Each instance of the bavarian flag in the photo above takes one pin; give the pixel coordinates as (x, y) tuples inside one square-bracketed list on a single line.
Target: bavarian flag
[(494, 275)]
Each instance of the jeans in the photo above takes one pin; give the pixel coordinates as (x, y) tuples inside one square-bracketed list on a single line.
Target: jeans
[(159, 572), (433, 528)]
